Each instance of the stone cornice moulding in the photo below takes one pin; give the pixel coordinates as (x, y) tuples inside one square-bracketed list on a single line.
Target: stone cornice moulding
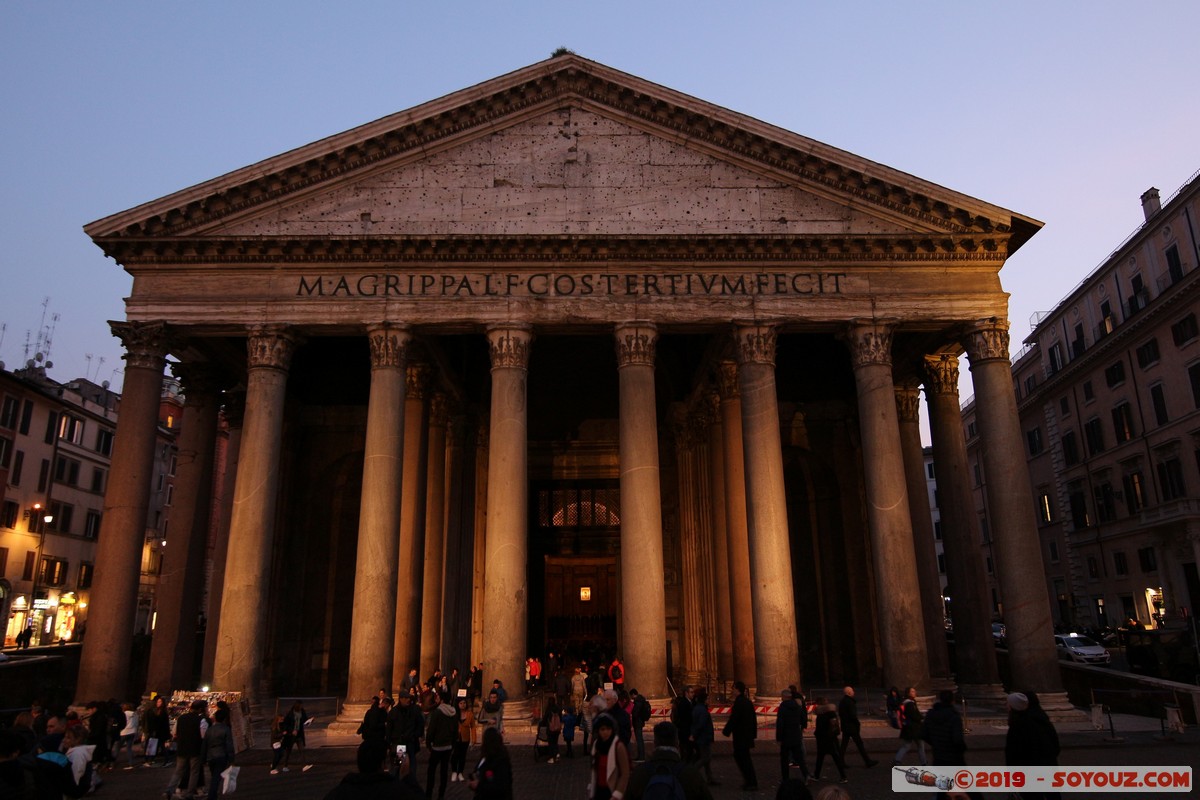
[(568, 248), (548, 85)]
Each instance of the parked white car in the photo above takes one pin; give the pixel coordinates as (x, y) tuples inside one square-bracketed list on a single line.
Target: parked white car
[(1073, 647)]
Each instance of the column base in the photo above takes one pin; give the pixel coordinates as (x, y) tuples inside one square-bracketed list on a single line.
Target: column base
[(989, 696), (350, 719), (1059, 707), (939, 683)]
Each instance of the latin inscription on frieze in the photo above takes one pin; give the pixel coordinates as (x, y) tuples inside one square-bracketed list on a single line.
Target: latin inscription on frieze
[(573, 284)]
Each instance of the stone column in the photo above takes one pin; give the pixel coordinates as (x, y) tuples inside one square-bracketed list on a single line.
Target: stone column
[(104, 663), (691, 606), (435, 538), (239, 662), (177, 596), (776, 649), (737, 532), (479, 543), (908, 406), (406, 652), (720, 540), (234, 412), (1015, 543), (901, 633), (506, 590), (643, 602), (372, 623), (704, 515), (978, 674)]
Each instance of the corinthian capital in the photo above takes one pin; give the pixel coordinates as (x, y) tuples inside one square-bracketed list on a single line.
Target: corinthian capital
[(270, 347), (439, 410), (941, 374), (870, 344), (416, 380), (636, 343), (987, 340), (727, 380), (509, 345), (755, 344), (389, 345), (145, 343), (908, 401)]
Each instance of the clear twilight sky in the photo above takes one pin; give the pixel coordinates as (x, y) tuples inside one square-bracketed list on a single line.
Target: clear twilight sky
[(1065, 112)]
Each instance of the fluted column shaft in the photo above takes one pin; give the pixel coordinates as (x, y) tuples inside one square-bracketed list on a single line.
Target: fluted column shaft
[(177, 596), (692, 606), (506, 600), (435, 538), (104, 664), (479, 545), (643, 602), (406, 652), (234, 413), (372, 624), (901, 631), (1015, 543), (776, 650), (737, 531), (720, 540), (974, 651), (240, 652), (908, 404)]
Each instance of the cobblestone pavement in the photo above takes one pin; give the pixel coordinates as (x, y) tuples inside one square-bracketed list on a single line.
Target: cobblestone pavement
[(567, 779)]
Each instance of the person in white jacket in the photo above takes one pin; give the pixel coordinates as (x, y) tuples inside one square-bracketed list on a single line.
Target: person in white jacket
[(79, 755), (128, 734)]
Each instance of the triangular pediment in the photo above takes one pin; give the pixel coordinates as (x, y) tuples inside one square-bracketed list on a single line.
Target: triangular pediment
[(566, 147), (566, 171)]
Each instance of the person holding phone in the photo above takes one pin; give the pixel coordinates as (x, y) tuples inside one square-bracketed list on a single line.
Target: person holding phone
[(374, 780)]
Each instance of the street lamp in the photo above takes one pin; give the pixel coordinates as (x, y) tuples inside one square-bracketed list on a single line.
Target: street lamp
[(37, 519)]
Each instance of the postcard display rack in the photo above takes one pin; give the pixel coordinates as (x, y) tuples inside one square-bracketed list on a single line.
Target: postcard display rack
[(239, 712)]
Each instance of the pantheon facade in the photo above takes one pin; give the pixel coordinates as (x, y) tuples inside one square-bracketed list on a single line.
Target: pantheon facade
[(569, 360)]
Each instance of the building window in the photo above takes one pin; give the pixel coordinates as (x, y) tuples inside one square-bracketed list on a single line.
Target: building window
[(1135, 491), (937, 529), (1194, 377), (27, 570), (984, 533), (1184, 330), (98, 479), (8, 412), (9, 514), (1089, 393), (1122, 417), (978, 474), (1045, 508), (14, 476), (6, 449), (54, 572), (971, 432), (1078, 345), (62, 513), (70, 429), (170, 494), (1139, 297), (91, 524), (1159, 399), (1053, 547), (1064, 407), (1120, 565), (1079, 510), (1146, 559), (85, 575), (929, 470), (1093, 567), (1094, 435), (66, 470), (1034, 437), (1056, 358), (1170, 478), (1174, 265), (1030, 384), (1147, 354), (104, 442), (1070, 449), (1115, 374), (1106, 503), (3, 560), (43, 475), (941, 562), (989, 565)]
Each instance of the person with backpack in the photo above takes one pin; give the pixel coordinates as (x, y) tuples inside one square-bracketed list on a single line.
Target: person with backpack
[(616, 673), (743, 727), (639, 717), (665, 776), (910, 729), (827, 730), (552, 721), (570, 722)]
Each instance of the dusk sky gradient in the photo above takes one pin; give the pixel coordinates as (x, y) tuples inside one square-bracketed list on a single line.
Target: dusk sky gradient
[(1065, 112)]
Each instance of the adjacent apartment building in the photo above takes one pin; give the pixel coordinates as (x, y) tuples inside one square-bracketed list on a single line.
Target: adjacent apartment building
[(56, 444), (1108, 391)]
